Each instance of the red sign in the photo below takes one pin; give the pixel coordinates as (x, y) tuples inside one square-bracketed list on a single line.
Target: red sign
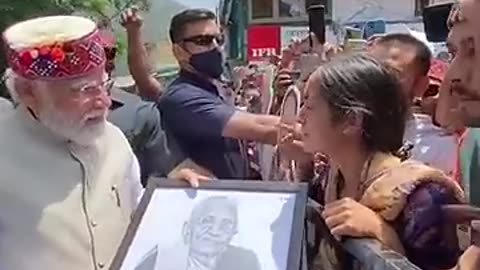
[(263, 41)]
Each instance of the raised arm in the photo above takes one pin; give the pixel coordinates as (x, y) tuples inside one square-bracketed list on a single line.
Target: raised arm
[(148, 87)]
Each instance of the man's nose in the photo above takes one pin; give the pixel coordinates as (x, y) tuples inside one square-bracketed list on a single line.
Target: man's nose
[(455, 70), (103, 100), (216, 45)]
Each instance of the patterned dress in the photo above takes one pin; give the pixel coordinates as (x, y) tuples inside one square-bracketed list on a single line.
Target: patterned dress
[(429, 241)]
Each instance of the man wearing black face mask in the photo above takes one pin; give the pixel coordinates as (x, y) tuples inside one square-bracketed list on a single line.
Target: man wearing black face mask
[(208, 129)]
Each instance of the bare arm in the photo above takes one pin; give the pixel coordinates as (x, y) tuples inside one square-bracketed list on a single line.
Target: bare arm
[(248, 126), (138, 66)]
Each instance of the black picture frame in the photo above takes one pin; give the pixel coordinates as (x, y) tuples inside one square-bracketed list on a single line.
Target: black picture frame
[(295, 252)]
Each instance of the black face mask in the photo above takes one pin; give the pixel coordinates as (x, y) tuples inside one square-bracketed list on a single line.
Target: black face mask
[(209, 63)]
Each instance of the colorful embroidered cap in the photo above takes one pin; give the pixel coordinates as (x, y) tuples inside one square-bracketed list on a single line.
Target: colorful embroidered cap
[(54, 48)]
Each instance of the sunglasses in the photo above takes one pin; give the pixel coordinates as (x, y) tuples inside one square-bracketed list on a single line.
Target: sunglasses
[(205, 40)]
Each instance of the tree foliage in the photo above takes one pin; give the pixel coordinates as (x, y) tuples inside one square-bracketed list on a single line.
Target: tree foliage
[(105, 11)]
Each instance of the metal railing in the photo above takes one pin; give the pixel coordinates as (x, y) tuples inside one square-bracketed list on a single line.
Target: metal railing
[(372, 255), (369, 253)]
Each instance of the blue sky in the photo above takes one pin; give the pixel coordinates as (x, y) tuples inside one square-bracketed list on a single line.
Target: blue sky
[(210, 4)]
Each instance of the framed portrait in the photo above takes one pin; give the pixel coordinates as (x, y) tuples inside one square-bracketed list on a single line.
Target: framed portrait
[(221, 225)]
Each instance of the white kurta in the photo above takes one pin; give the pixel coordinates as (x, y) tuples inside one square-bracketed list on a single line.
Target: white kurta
[(62, 206), (5, 105), (432, 145)]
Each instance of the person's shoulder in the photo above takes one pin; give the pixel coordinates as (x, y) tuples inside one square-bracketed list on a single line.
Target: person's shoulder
[(113, 130), (148, 112), (5, 104), (429, 181), (115, 136), (236, 253), (181, 91)]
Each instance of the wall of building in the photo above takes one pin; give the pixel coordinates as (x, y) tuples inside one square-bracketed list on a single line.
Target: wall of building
[(363, 10)]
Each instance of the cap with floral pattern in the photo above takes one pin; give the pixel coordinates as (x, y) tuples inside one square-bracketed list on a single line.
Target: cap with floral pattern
[(54, 47)]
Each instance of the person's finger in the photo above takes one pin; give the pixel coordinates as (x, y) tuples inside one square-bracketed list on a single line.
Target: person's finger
[(335, 208), (336, 220), (342, 230), (284, 76), (194, 179), (123, 18), (285, 83), (128, 14), (286, 127), (284, 71), (287, 139), (331, 211), (202, 178), (298, 143), (193, 182)]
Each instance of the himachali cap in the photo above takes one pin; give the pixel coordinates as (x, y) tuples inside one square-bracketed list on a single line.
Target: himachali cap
[(54, 48)]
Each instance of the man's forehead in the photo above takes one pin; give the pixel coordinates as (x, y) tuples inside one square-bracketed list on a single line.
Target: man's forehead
[(457, 33), (395, 53), (463, 22), (81, 81), (465, 11), (202, 27)]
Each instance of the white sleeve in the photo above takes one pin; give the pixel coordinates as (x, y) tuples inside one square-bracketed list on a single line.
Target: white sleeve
[(134, 182)]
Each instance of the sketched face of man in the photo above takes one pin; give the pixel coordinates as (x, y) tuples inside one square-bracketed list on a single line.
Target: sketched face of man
[(464, 72), (212, 226)]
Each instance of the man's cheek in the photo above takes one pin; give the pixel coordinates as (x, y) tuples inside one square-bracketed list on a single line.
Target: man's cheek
[(470, 112), (471, 80)]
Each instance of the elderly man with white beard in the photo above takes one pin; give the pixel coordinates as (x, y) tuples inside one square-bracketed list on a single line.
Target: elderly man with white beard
[(70, 181)]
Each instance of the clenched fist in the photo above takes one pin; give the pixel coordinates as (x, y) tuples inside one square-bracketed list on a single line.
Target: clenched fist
[(131, 20)]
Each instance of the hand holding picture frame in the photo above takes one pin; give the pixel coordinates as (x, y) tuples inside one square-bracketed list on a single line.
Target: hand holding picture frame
[(222, 225)]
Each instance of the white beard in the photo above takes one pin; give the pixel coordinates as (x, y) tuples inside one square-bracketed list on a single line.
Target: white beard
[(77, 131)]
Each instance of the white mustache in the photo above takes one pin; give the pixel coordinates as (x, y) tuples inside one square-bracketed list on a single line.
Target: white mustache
[(95, 114)]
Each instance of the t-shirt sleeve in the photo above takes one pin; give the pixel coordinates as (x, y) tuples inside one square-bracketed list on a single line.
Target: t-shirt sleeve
[(195, 112), (148, 124)]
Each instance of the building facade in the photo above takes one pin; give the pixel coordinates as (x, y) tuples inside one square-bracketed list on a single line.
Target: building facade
[(258, 28)]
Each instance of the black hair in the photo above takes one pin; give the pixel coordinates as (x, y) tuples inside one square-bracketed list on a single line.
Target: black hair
[(360, 84), (423, 55), (186, 17)]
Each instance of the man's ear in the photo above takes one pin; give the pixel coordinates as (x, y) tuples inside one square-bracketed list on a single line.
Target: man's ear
[(180, 53), (186, 233), (25, 93)]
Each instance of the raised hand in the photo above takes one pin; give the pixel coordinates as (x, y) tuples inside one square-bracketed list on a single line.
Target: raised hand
[(131, 20)]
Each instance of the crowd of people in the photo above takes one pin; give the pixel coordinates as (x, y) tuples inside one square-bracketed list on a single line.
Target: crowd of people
[(377, 139)]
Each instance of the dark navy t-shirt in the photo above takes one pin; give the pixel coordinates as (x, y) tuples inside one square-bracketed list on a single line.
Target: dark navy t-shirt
[(195, 114)]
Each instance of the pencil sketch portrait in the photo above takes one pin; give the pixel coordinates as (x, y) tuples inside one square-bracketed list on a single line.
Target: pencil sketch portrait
[(205, 241)]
